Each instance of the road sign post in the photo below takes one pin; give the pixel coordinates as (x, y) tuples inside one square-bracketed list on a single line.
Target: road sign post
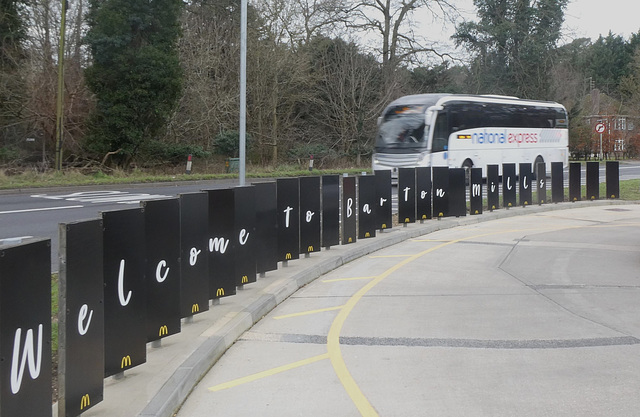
[(599, 128)]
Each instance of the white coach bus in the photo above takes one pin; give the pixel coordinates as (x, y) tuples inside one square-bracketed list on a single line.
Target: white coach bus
[(464, 131)]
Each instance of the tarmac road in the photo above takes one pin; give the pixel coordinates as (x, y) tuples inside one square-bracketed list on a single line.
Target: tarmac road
[(533, 315)]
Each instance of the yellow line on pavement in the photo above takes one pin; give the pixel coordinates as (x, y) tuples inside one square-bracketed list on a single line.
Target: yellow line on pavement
[(306, 313), (347, 279), (333, 339), (268, 373)]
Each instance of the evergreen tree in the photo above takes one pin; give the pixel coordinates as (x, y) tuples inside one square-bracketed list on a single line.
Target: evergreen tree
[(609, 61), (12, 32), (12, 35), (135, 74), (513, 43)]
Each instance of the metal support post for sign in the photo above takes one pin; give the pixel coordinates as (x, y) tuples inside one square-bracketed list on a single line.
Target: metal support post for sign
[(557, 182), (406, 195), (574, 181), (475, 191), (541, 177), (383, 198), (440, 190), (525, 184), (593, 180), (613, 179), (509, 185), (423, 193), (493, 187)]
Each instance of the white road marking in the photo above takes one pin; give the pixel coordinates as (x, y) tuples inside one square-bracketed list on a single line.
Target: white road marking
[(98, 197), (39, 209)]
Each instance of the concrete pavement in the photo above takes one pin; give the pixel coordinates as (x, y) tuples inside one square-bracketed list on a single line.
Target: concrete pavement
[(528, 311)]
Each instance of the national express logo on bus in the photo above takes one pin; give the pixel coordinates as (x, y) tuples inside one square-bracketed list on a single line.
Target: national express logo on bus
[(492, 137)]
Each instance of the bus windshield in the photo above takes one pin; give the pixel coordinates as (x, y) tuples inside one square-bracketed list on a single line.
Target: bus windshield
[(402, 127)]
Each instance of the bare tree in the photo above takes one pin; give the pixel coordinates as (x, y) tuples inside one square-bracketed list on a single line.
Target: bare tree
[(42, 70), (393, 25), (209, 53)]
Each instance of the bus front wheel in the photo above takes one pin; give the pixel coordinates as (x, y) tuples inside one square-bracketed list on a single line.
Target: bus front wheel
[(539, 160)]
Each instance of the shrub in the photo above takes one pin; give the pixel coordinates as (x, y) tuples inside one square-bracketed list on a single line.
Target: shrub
[(227, 143)]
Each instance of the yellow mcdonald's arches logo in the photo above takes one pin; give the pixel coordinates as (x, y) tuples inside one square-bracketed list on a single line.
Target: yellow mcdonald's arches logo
[(509, 204), (310, 248), (593, 197), (384, 225), (219, 292), (288, 256), (424, 216), (126, 361), (441, 214), (477, 212), (245, 279), (526, 203), (493, 207), (613, 196), (195, 308), (350, 240), (367, 234), (575, 198), (407, 220), (163, 331), (85, 402), (542, 201)]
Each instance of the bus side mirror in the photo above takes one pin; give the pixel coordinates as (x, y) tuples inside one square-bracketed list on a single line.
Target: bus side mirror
[(430, 114)]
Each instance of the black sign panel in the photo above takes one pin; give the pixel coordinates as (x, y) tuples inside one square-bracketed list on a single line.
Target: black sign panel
[(575, 182), (406, 195), (194, 253), (244, 242), (423, 193), (349, 210), (493, 187), (330, 210), (509, 185), (557, 182), (162, 224), (310, 208), (383, 199), (613, 179), (81, 318), (457, 189), (366, 207), (593, 180), (440, 191), (526, 184), (125, 310), (266, 249), (25, 328), (541, 178), (222, 281), (288, 219), (475, 191)]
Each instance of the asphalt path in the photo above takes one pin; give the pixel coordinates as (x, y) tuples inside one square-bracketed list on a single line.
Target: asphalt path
[(39, 212), (532, 315)]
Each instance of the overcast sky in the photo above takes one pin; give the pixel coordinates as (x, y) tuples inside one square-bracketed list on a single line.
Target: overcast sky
[(591, 18), (583, 18)]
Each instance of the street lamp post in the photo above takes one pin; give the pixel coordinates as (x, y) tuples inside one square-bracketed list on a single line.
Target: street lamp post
[(60, 98), (243, 91)]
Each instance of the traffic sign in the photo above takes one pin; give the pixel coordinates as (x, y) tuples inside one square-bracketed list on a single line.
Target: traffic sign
[(599, 127)]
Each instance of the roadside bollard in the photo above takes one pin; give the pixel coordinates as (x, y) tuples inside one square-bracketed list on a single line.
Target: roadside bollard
[(188, 171)]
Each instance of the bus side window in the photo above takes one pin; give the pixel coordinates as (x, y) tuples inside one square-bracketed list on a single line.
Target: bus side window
[(440, 133)]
